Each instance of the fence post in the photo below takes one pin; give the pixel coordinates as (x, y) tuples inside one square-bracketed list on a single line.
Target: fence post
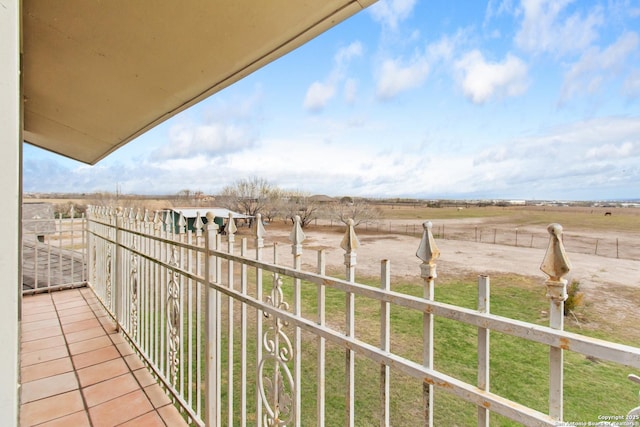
[(212, 329), (556, 265), (350, 244), (428, 252), (484, 295), (230, 230)]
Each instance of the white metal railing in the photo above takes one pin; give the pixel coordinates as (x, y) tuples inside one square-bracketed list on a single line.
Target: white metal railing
[(53, 253), (234, 349)]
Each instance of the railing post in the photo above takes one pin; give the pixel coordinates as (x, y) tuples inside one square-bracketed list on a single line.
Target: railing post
[(259, 233), (117, 288), (556, 265), (230, 230), (484, 294), (321, 299), (428, 252), (212, 331), (350, 244), (297, 237), (385, 343)]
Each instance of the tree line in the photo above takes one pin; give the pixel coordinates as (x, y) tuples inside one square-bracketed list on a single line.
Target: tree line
[(254, 195)]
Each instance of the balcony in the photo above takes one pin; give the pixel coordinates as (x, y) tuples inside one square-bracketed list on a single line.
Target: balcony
[(236, 336), (77, 370)]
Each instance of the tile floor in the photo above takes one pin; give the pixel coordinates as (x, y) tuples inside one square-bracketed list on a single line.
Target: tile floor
[(77, 370)]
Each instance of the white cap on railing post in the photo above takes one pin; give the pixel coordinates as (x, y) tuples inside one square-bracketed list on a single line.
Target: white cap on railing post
[(428, 252), (296, 237), (182, 223), (259, 231), (231, 229), (556, 265), (350, 244), (198, 225)]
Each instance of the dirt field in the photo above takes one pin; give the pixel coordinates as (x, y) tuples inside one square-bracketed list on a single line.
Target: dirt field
[(611, 286)]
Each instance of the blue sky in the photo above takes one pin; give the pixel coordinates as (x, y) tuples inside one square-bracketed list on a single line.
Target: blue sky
[(410, 98)]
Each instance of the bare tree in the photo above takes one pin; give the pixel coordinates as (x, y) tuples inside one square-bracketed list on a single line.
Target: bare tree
[(360, 210), (299, 203), (248, 196)]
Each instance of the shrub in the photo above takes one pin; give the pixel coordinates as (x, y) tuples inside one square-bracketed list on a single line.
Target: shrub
[(575, 298)]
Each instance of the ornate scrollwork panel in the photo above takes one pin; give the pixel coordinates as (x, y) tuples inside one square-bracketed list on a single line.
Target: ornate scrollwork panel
[(276, 383), (173, 318)]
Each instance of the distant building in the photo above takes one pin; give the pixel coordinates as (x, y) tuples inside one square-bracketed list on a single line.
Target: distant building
[(220, 215)]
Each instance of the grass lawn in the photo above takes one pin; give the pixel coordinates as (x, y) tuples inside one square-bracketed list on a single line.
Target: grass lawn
[(519, 369)]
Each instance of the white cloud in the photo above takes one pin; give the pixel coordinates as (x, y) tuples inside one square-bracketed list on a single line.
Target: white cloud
[(547, 29), (482, 80), (188, 140), (350, 91), (611, 151), (396, 77), (596, 65), (631, 85), (320, 93), (391, 12)]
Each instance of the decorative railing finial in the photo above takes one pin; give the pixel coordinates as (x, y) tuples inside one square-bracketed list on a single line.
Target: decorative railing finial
[(556, 265), (350, 244), (198, 225), (297, 236), (428, 252), (230, 228), (259, 231)]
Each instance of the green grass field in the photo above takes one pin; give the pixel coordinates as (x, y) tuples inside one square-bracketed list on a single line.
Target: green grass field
[(519, 368)]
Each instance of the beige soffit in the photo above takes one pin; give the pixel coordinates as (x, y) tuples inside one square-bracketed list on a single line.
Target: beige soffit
[(99, 73)]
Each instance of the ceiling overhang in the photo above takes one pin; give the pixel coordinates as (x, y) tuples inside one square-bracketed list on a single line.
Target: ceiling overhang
[(97, 74)]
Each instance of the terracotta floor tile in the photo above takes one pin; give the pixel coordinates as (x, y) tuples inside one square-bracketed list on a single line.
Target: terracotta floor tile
[(94, 357), (41, 309), (171, 416), (150, 419), (46, 369), (88, 345), (63, 306), (85, 334), (43, 343), (61, 298), (157, 395), (124, 348), (40, 324), (102, 371), (74, 310), (117, 338), (120, 410), (44, 355), (144, 377), (49, 315), (110, 389), (134, 362), (81, 325), (47, 387), (37, 412), (107, 322), (77, 419), (42, 333), (77, 317)]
